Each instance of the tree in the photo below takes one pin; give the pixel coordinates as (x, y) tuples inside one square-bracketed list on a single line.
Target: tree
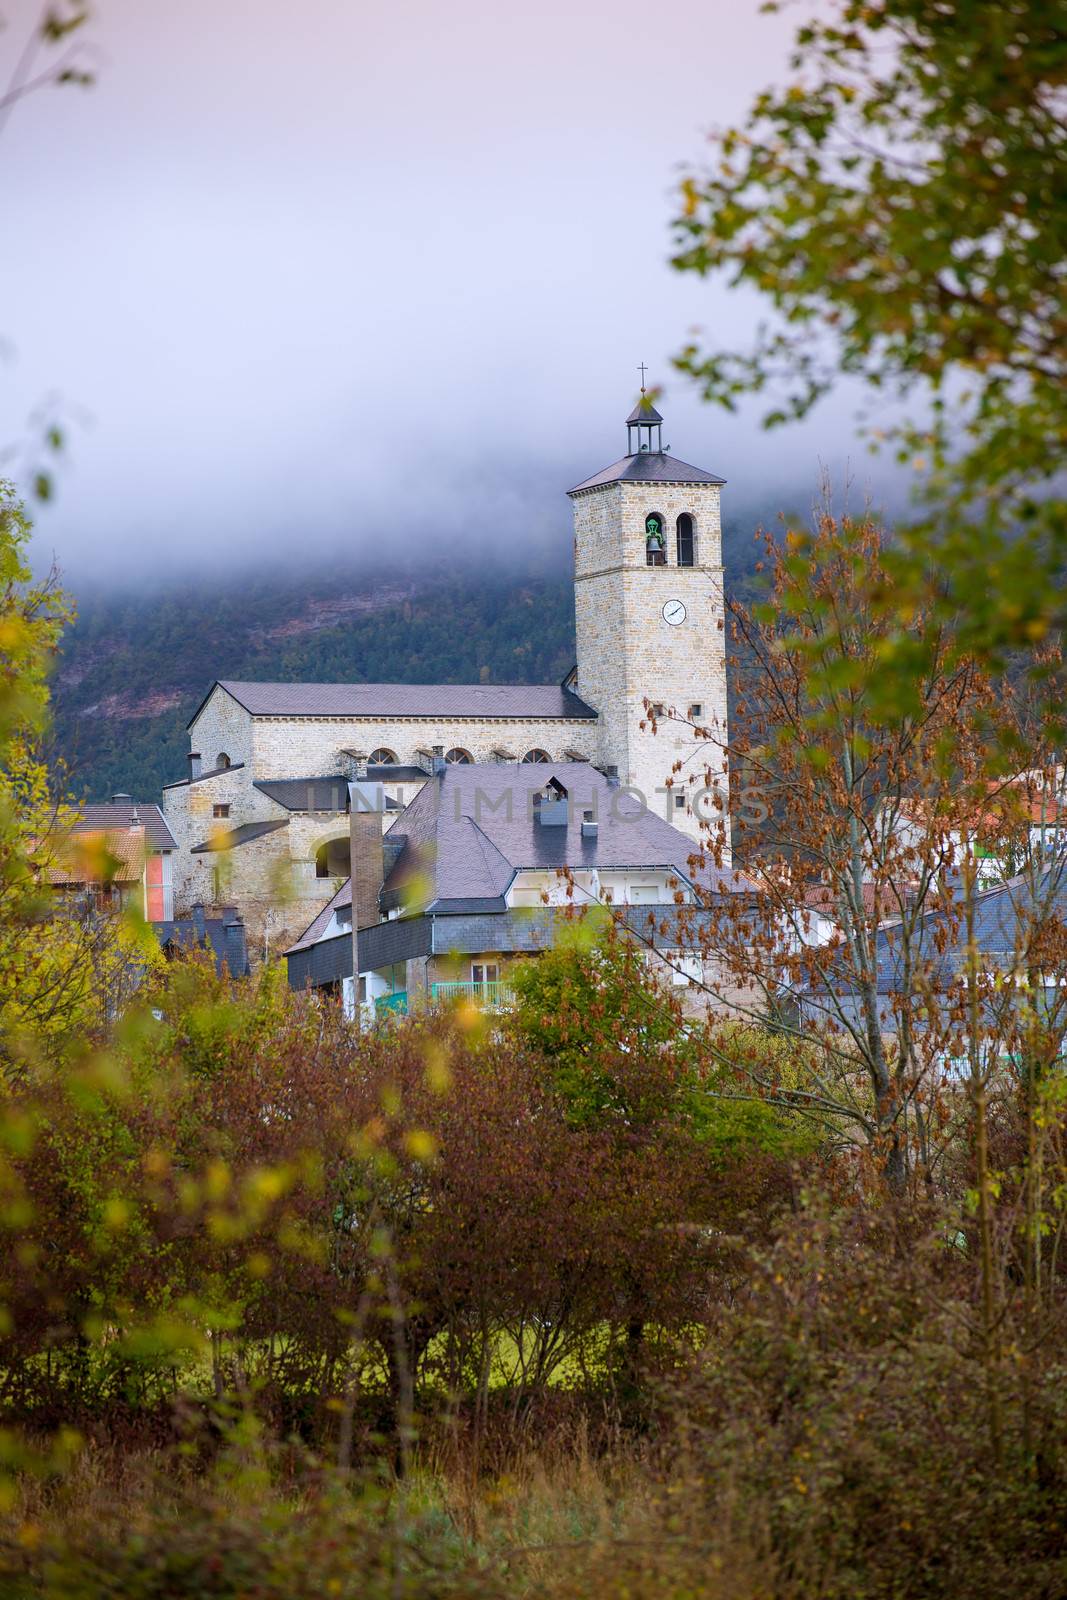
[(65, 968), (900, 204), (612, 1036), (865, 871)]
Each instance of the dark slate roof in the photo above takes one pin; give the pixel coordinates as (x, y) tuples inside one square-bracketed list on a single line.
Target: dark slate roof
[(463, 837), (212, 772), (307, 794), (647, 467), (184, 934), (230, 838), (399, 700), (396, 774), (1006, 919), (116, 818), (643, 411), (320, 794)]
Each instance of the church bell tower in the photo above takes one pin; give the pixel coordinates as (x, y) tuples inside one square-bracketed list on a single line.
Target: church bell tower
[(648, 602)]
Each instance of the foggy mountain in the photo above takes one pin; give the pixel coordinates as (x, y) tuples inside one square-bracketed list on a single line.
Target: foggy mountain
[(138, 660)]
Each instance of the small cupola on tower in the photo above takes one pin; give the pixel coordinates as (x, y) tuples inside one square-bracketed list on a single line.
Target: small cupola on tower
[(644, 429)]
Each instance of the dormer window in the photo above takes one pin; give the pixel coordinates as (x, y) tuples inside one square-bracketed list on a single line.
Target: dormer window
[(685, 540), (655, 540), (551, 805)]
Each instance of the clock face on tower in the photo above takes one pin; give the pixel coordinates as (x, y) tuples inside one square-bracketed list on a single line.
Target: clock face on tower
[(673, 612)]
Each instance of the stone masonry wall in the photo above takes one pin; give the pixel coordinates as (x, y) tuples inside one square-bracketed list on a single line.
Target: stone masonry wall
[(297, 747), (222, 728), (189, 808), (627, 651)]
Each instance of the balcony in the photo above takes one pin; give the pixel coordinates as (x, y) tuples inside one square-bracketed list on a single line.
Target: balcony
[(491, 996), (396, 1003)]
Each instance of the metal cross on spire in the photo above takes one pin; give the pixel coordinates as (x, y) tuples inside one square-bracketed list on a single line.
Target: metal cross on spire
[(642, 369)]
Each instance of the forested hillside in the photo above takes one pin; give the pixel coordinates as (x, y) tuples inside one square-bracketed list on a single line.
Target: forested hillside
[(135, 666), (136, 662)]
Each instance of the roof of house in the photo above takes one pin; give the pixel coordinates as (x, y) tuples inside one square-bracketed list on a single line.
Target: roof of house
[(470, 829), (1007, 918), (882, 900), (399, 700), (105, 818), (98, 855), (396, 774), (463, 841), (1007, 804), (230, 838), (649, 466)]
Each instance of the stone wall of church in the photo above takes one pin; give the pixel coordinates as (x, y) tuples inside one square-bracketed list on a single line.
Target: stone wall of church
[(222, 728), (627, 652), (277, 880), (272, 878), (189, 809), (296, 747)]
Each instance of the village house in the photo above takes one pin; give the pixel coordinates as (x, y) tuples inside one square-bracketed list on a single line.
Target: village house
[(485, 866), (118, 855)]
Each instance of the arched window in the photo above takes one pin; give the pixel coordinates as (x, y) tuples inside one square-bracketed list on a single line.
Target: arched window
[(334, 858), (686, 546), (383, 757), (222, 759), (536, 755), (458, 757), (655, 540)]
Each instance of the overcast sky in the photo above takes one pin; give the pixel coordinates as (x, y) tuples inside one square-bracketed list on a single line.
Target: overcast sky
[(331, 273)]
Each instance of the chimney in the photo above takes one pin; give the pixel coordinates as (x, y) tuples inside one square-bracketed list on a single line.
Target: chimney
[(366, 812), (233, 938), (438, 759), (367, 862), (194, 765), (196, 911), (122, 800)]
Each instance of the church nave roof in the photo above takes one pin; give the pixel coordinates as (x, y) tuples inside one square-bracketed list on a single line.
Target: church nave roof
[(385, 701)]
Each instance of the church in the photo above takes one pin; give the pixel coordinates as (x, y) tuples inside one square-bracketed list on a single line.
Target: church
[(262, 818)]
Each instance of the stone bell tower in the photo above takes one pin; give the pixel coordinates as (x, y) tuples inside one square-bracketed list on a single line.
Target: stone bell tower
[(648, 602)]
